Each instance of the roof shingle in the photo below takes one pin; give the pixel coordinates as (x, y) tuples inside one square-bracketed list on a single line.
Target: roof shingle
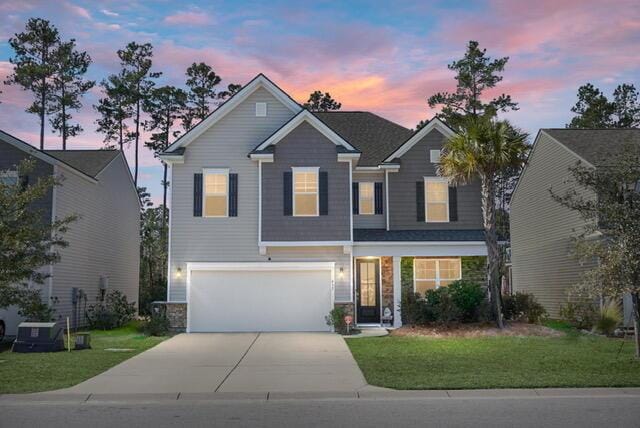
[(594, 145), (90, 162)]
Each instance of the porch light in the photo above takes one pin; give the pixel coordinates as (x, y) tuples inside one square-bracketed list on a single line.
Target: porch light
[(341, 274), (179, 273)]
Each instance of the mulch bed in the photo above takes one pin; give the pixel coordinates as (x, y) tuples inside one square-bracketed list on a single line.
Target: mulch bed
[(477, 330)]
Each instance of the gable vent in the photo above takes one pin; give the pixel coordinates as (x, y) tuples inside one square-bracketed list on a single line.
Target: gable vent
[(261, 109)]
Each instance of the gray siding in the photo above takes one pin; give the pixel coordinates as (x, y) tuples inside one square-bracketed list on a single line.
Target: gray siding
[(414, 165), (104, 241), (373, 221), (232, 239), (305, 147), (11, 156), (541, 229)]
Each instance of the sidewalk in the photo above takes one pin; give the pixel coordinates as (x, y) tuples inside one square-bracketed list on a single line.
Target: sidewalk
[(366, 393)]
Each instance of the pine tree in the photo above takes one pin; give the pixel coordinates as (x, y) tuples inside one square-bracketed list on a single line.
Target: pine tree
[(319, 101), (138, 81), (115, 110), (68, 87), (34, 65)]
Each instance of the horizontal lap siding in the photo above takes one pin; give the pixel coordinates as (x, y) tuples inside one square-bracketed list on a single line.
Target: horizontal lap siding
[(225, 145), (414, 165), (374, 221), (104, 241), (541, 229), (305, 147)]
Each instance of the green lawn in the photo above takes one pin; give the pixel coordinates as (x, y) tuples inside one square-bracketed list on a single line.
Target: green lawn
[(49, 371), (497, 362)]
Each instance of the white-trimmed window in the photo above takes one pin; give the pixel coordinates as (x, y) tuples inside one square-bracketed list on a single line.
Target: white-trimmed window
[(366, 204), (305, 191), (436, 200), (261, 109), (9, 178), (431, 273), (434, 156), (216, 192)]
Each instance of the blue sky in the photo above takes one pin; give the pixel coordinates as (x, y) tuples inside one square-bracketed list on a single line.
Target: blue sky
[(386, 57)]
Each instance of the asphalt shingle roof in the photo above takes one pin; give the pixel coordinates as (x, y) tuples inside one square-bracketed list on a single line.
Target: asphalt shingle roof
[(417, 235), (90, 162), (594, 145), (375, 136)]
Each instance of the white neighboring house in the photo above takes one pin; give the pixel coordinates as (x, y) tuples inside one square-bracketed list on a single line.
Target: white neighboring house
[(279, 214), (104, 243)]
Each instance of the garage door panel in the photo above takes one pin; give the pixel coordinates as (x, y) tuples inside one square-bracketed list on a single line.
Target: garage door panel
[(259, 300)]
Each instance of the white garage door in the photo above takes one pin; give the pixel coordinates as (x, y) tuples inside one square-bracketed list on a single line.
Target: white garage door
[(255, 300)]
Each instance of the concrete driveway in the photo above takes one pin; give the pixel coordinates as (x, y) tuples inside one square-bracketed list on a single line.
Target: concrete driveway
[(234, 362)]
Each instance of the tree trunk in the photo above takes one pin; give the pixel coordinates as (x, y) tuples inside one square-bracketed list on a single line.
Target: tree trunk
[(120, 129), (135, 177), (635, 298), (491, 238), (43, 101), (64, 121)]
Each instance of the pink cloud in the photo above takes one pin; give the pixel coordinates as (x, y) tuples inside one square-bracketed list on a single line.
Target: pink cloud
[(78, 10), (188, 18)]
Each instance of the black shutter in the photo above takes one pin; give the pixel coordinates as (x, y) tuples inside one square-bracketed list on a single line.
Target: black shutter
[(453, 203), (378, 198), (287, 181), (197, 195), (420, 201), (355, 191), (324, 193), (233, 195)]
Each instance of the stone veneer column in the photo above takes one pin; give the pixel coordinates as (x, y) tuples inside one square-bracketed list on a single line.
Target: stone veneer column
[(397, 292)]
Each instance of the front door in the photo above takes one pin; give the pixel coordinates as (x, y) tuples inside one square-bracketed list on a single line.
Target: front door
[(368, 291)]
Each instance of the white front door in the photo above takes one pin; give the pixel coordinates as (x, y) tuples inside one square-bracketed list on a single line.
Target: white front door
[(238, 300)]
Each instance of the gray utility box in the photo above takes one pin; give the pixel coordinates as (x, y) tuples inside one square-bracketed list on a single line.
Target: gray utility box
[(39, 337)]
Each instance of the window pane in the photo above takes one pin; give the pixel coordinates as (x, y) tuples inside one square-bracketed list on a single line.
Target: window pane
[(366, 198), (216, 184), (306, 204), (423, 286), (437, 212), (449, 269), (306, 182), (437, 201), (437, 191), (215, 206), (367, 284), (425, 269)]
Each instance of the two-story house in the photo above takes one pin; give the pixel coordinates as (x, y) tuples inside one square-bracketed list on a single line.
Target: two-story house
[(279, 214), (103, 251)]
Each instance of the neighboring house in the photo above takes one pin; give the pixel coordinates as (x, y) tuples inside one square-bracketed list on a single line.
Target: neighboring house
[(103, 251), (541, 229), (279, 214)]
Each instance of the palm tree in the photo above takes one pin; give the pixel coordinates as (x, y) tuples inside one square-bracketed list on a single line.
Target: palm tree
[(481, 150)]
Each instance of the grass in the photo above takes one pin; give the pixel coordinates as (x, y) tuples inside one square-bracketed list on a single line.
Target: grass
[(496, 362), (48, 371)]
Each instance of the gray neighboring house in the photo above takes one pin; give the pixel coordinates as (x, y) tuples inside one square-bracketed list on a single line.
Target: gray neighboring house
[(279, 214), (104, 244), (541, 229)]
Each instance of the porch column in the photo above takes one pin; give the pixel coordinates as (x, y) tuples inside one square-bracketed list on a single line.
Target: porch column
[(397, 292)]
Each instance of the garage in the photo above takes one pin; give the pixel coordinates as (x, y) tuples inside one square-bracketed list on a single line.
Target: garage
[(250, 297)]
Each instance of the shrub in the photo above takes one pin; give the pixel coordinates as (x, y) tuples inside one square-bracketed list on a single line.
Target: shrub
[(609, 318), (468, 297), (115, 312), (440, 306), (412, 308), (581, 313), (335, 319), (156, 325), (33, 308), (523, 307)]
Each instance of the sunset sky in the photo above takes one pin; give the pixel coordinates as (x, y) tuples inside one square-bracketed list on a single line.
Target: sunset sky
[(385, 57)]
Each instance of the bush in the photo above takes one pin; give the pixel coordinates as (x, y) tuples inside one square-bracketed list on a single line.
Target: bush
[(468, 296), (115, 312), (156, 325), (581, 314), (609, 318), (523, 307), (335, 319), (412, 308), (440, 306), (32, 307)]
